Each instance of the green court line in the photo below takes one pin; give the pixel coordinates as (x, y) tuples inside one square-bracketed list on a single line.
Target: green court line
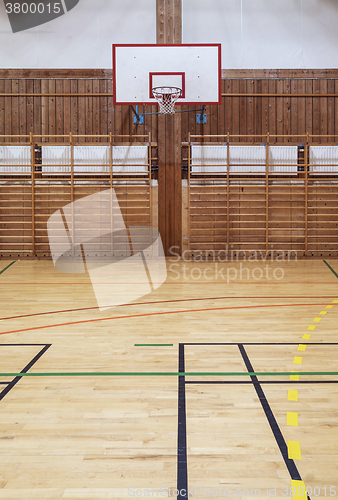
[(163, 374), (9, 265), (331, 269), (147, 345)]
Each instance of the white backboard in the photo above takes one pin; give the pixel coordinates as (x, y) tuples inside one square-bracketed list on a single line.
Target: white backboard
[(195, 68)]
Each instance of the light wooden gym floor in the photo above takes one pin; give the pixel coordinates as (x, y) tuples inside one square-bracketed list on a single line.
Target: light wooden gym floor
[(116, 436)]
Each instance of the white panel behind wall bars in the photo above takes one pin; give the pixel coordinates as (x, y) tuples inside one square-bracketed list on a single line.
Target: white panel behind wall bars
[(283, 159), (15, 159), (208, 159), (247, 159), (129, 159), (95, 159), (55, 158), (213, 159), (91, 159), (323, 159)]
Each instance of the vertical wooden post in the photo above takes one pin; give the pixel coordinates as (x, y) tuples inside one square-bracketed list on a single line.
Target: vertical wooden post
[(267, 194), (72, 187), (169, 31), (111, 195), (33, 190), (168, 21), (228, 192), (111, 160), (189, 179), (306, 149), (149, 180)]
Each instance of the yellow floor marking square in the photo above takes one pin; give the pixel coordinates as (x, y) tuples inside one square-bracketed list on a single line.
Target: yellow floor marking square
[(323, 312), (294, 377), (311, 327), (292, 418), (306, 336), (317, 319), (298, 490), (292, 395), (328, 307), (335, 302), (301, 347), (294, 450), (297, 360)]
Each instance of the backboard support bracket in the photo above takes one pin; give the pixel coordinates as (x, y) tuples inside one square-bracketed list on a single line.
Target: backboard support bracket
[(138, 118), (201, 118)]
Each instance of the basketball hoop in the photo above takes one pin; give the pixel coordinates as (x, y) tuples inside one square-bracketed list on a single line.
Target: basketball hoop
[(166, 97)]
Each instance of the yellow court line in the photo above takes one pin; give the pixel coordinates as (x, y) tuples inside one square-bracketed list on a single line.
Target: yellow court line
[(298, 490), (292, 418), (298, 487), (292, 395), (294, 452)]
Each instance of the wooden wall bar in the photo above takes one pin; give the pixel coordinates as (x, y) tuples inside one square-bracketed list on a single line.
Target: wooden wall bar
[(268, 211)]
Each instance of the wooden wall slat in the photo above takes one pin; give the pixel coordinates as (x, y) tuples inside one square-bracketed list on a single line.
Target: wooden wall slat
[(15, 108), (2, 107), (74, 116), (316, 108), (272, 107), (66, 107), (330, 111), (323, 107), (81, 109), (52, 108), (59, 110), (251, 124)]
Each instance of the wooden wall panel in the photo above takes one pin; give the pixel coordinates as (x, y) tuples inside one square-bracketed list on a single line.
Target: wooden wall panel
[(239, 113), (96, 115)]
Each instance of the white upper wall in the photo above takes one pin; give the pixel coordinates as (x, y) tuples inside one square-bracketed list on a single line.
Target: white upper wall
[(266, 34), (82, 38), (254, 34)]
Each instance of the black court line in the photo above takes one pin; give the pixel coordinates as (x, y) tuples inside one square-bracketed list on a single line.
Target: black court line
[(290, 464), (182, 461), (32, 362), (182, 464), (262, 382), (9, 265)]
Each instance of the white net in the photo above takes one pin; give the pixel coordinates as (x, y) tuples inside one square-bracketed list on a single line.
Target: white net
[(166, 97)]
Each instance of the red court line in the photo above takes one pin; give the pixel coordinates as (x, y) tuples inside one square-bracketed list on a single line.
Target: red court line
[(172, 301), (159, 314), (223, 282)]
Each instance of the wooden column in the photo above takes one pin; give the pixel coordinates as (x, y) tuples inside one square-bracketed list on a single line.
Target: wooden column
[(169, 31)]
